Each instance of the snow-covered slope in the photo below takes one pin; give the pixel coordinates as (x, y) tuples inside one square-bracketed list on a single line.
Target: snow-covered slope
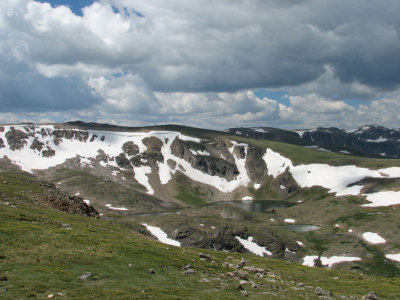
[(161, 154)]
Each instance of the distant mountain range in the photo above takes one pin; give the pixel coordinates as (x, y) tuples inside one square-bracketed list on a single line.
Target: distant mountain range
[(368, 140)]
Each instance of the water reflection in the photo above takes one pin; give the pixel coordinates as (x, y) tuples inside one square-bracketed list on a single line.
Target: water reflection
[(301, 227), (260, 206)]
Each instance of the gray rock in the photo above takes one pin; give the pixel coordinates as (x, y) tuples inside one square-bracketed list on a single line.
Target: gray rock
[(205, 256), (151, 271), (370, 296), (85, 276), (189, 271)]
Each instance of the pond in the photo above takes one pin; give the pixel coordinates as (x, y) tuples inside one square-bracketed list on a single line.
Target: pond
[(260, 206), (301, 227)]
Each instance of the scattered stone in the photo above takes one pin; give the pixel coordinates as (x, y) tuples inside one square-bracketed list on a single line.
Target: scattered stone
[(204, 280), (370, 296), (50, 296), (151, 271), (239, 287), (254, 269), (205, 256), (254, 285), (320, 291), (5, 182), (229, 257), (85, 276), (244, 293), (129, 265), (189, 271), (241, 264), (3, 278), (300, 284), (61, 294), (188, 266)]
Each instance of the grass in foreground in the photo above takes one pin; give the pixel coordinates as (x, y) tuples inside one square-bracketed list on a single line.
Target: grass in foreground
[(39, 256)]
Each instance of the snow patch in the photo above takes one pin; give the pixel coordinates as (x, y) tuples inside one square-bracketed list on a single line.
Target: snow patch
[(300, 243), (378, 140), (301, 132), (87, 201), (260, 130), (115, 208), (317, 174), (161, 235), (289, 221), (373, 238), (395, 257), (329, 261), (247, 198), (257, 186), (252, 246), (382, 199), (141, 177), (188, 138)]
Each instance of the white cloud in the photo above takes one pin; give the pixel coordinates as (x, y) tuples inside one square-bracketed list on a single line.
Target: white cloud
[(192, 62)]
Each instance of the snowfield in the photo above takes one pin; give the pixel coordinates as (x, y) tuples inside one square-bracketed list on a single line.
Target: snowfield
[(339, 177), (161, 235), (395, 257), (115, 208), (110, 142), (373, 238), (329, 261), (252, 246)]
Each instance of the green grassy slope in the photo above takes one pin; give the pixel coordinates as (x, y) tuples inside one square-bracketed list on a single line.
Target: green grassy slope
[(40, 257)]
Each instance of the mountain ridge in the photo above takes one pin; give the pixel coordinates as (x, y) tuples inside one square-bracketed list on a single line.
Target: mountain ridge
[(179, 176)]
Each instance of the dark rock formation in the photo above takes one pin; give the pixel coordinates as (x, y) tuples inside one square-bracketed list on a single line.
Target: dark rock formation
[(69, 204), (60, 134), (102, 156), (37, 145), (2, 143), (255, 164), (122, 161), (130, 148), (16, 139), (208, 164), (49, 152)]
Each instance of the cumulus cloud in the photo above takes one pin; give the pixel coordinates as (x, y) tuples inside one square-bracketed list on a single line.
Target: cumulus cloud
[(163, 61)]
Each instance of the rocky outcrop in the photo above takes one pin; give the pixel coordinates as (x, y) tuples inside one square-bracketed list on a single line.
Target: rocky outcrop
[(211, 165), (255, 164), (130, 148), (49, 152), (122, 161), (153, 151), (64, 202), (16, 139), (68, 204), (37, 145), (79, 135), (102, 156), (1, 143)]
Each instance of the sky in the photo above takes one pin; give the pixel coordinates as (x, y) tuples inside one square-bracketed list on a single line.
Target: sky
[(206, 63)]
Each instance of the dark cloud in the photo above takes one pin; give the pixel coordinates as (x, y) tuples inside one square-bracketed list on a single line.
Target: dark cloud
[(23, 90)]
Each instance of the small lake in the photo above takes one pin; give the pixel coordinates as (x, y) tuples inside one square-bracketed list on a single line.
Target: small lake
[(259, 206), (301, 227)]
